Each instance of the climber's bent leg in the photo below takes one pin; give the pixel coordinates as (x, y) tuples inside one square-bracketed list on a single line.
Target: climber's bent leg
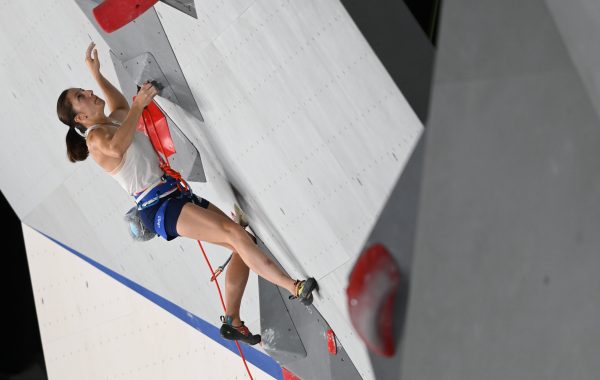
[(200, 224)]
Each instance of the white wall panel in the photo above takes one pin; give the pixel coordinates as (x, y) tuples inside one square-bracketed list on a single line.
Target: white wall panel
[(43, 53), (311, 127), (93, 327)]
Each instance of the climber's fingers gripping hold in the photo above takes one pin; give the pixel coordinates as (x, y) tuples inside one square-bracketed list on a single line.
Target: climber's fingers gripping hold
[(147, 92)]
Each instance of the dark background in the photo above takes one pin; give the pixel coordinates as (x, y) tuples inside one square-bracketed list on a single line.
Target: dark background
[(21, 354)]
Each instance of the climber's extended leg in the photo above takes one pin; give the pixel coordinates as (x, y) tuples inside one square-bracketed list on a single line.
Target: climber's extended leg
[(200, 224), (213, 226), (235, 280)]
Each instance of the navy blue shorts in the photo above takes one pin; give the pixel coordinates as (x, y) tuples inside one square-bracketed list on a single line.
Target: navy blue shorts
[(173, 209)]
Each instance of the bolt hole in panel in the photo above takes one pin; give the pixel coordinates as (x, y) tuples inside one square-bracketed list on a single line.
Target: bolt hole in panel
[(374, 282)]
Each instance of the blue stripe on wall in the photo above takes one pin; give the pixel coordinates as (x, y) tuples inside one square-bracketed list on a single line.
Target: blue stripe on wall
[(259, 359)]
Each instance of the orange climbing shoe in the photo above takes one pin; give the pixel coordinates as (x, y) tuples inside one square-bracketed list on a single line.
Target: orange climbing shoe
[(304, 289), (239, 216), (230, 332)]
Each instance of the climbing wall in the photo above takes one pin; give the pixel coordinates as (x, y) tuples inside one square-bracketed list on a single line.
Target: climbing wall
[(302, 125)]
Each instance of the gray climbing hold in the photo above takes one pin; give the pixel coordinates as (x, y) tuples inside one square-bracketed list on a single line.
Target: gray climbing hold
[(185, 6), (144, 68)]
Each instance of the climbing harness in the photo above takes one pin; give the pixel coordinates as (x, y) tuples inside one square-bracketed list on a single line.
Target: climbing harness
[(166, 186)]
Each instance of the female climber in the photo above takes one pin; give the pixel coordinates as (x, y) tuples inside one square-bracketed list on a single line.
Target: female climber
[(129, 158)]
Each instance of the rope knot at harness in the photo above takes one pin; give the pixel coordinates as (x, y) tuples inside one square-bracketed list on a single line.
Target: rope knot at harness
[(182, 185)]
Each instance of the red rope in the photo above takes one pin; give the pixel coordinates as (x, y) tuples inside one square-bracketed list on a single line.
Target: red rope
[(223, 304), (164, 165)]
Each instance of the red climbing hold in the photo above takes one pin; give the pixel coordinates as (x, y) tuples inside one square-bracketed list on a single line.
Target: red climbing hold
[(374, 282), (114, 14), (331, 345), (287, 375)]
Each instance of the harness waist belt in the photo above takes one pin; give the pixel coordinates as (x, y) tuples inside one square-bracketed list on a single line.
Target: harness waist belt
[(152, 195)]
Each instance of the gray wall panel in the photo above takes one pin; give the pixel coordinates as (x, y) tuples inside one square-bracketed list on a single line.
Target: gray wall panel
[(504, 282)]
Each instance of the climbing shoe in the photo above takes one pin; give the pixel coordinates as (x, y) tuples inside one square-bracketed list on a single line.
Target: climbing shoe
[(303, 290), (239, 216), (228, 331)]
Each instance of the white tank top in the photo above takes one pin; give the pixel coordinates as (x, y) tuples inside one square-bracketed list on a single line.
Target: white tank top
[(139, 168)]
